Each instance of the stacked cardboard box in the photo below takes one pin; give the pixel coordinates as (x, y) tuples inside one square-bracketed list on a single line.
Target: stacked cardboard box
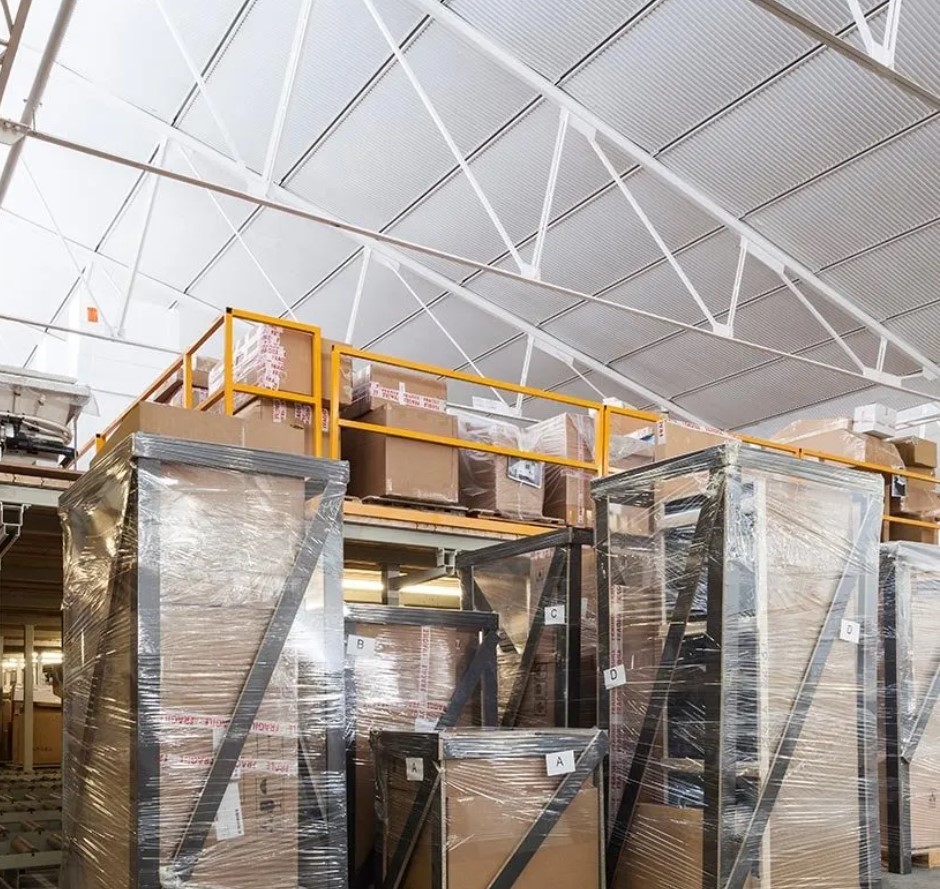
[(47, 733), (567, 491), (915, 498), (508, 486), (172, 391), (388, 466)]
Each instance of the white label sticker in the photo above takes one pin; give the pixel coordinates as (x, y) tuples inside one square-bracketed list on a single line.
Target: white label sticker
[(851, 632), (559, 763), (414, 768), (425, 725), (228, 822), (615, 677), (360, 646), (555, 616)]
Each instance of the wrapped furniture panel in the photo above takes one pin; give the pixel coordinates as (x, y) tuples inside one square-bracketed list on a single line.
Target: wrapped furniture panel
[(737, 592), (910, 686), (203, 670), (543, 590), (477, 809), (409, 669)]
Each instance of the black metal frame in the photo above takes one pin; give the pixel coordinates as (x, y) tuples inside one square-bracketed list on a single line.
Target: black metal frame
[(479, 676), (322, 793), (905, 717), (589, 746), (728, 860), (562, 586)]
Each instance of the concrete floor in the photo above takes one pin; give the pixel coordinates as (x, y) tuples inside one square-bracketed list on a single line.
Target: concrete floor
[(919, 879)]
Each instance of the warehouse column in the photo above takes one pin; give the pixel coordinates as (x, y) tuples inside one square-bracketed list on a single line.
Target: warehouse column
[(29, 676)]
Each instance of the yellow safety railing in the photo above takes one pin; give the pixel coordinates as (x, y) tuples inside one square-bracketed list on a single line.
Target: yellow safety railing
[(605, 415), (337, 422)]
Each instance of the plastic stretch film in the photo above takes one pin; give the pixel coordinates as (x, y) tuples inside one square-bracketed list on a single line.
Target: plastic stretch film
[(478, 809), (908, 692), (409, 669), (544, 590), (203, 670), (567, 490), (738, 648), (508, 486)]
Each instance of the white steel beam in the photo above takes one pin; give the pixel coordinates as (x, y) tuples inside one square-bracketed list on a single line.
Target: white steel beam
[(392, 248), (524, 375), (861, 23), (871, 63), (357, 298), (736, 290), (405, 65), (40, 79), (892, 26), (546, 216), (151, 199), (287, 89), (15, 28), (554, 94), (59, 328), (7, 16)]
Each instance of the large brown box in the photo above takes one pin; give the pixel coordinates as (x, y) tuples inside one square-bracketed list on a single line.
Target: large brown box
[(523, 808), (172, 391), (917, 452), (385, 466), (567, 491), (293, 415), (47, 734), (835, 436), (203, 426), (377, 385), (202, 643)]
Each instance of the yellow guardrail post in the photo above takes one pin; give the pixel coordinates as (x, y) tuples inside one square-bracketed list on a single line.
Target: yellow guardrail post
[(336, 363), (228, 363)]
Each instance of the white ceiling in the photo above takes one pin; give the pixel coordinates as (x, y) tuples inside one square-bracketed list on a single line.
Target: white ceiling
[(830, 162)]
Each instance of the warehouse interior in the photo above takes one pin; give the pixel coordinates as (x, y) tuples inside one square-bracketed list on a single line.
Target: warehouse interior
[(464, 444)]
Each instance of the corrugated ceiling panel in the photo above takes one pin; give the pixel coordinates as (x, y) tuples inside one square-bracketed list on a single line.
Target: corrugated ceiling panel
[(918, 36), (887, 191), (388, 151), (662, 77), (894, 277), (295, 253), (604, 332), (524, 299), (475, 332), (604, 241), (581, 388), (818, 114), (921, 328), (831, 14), (342, 50), (551, 35), (245, 83), (123, 45)]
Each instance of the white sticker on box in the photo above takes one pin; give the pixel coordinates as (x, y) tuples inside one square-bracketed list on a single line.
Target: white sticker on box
[(555, 616), (425, 725), (229, 824), (615, 677), (414, 768), (360, 646), (851, 631), (559, 763)]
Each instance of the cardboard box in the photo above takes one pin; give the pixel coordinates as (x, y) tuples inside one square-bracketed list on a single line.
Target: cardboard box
[(384, 466), (292, 414), (836, 436), (376, 385), (172, 390), (567, 491), (876, 420), (917, 452), (921, 499), (202, 426), (47, 734), (278, 358)]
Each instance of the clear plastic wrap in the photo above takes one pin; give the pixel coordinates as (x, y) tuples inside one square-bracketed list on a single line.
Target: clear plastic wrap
[(835, 436), (477, 809), (908, 691), (567, 491), (738, 641), (543, 588), (408, 669), (203, 670), (507, 486)]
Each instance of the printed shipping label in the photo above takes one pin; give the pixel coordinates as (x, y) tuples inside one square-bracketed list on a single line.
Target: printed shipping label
[(526, 472), (229, 824), (559, 763)]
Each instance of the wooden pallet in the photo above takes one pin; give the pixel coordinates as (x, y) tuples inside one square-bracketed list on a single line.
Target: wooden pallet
[(406, 503), (526, 520), (926, 858)]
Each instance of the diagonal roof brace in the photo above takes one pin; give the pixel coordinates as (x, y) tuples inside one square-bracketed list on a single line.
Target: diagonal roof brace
[(585, 120)]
